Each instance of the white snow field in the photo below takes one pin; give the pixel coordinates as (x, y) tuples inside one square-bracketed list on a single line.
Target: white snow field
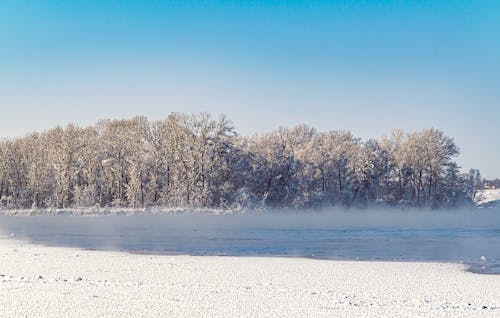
[(487, 197), (38, 281)]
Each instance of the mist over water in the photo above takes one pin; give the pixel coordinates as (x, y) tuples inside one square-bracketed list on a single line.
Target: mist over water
[(426, 235)]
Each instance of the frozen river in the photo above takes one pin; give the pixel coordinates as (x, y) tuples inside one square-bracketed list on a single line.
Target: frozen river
[(409, 236)]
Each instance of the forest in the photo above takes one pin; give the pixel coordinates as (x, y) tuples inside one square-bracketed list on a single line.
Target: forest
[(198, 161)]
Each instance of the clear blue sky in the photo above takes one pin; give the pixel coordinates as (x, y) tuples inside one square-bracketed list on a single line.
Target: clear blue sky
[(366, 66)]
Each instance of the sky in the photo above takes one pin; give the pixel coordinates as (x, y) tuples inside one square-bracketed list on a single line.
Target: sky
[(363, 66)]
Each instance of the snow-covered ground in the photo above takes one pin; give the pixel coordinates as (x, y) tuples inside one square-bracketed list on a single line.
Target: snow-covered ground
[(38, 281), (114, 211), (487, 197)]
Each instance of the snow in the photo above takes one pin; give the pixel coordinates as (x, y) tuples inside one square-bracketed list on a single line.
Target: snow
[(39, 281), (114, 211), (487, 197)]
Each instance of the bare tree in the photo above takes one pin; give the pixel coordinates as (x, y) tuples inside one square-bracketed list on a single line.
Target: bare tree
[(200, 161)]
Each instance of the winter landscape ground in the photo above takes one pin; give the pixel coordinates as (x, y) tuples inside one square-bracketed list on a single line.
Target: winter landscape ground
[(487, 197), (168, 265), (39, 281)]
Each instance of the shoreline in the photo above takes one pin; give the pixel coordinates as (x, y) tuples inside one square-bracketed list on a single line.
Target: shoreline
[(155, 211), (467, 267), (474, 268), (42, 281), (163, 210)]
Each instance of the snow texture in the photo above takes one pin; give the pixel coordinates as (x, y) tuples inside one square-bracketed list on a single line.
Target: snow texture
[(37, 281), (487, 197)]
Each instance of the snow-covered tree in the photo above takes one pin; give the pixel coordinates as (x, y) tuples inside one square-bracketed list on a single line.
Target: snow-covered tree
[(199, 161)]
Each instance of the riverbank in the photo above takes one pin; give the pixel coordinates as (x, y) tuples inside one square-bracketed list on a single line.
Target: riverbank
[(39, 281), (95, 211)]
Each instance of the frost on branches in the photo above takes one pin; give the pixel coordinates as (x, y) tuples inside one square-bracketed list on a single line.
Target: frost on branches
[(200, 162)]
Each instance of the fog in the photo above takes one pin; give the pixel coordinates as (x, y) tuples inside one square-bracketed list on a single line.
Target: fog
[(332, 219), (458, 235), (473, 218)]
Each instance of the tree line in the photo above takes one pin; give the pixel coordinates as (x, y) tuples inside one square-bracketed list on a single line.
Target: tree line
[(198, 161)]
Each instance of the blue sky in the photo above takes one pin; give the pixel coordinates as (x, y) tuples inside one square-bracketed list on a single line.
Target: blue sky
[(366, 66)]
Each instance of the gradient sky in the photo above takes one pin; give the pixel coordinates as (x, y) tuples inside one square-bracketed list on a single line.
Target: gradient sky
[(365, 66)]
